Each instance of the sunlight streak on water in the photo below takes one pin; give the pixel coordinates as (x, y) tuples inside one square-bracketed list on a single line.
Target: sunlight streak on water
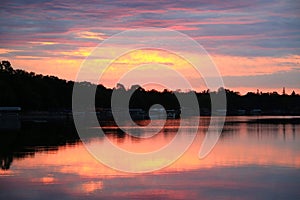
[(248, 157)]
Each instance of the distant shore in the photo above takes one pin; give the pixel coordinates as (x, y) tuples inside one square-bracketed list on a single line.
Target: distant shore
[(34, 93), (42, 117)]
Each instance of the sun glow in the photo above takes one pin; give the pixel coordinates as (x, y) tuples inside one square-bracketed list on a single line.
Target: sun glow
[(148, 64)]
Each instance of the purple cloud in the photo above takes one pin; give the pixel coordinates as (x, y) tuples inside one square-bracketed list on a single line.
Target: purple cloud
[(237, 28)]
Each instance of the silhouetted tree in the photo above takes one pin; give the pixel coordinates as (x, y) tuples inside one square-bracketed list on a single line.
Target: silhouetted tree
[(37, 92)]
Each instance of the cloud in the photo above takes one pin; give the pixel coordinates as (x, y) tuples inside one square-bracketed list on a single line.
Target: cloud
[(65, 30), (7, 51), (43, 43), (289, 78), (91, 35)]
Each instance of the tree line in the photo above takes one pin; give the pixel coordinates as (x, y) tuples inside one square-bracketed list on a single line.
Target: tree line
[(36, 92)]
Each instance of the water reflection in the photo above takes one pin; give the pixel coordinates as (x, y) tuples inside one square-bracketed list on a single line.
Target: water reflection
[(34, 138), (249, 158), (240, 141)]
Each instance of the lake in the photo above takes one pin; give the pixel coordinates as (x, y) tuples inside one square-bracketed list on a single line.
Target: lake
[(252, 159)]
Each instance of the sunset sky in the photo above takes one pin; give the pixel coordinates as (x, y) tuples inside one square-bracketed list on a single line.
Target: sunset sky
[(255, 44)]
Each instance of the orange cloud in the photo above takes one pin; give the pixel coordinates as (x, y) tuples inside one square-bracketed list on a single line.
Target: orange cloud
[(152, 65), (44, 43), (6, 50), (91, 35), (237, 65)]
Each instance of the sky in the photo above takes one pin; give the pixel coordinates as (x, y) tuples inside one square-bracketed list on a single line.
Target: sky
[(254, 44)]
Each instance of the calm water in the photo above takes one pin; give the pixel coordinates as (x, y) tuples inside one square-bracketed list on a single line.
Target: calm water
[(250, 161)]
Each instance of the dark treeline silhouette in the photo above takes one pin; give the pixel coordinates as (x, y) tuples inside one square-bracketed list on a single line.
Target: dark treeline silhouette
[(26, 142), (35, 92)]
